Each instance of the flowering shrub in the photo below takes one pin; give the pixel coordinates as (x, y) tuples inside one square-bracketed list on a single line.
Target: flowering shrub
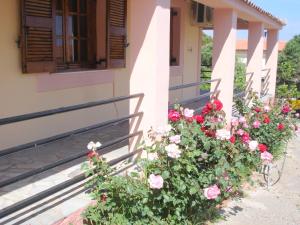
[(187, 168), (271, 125)]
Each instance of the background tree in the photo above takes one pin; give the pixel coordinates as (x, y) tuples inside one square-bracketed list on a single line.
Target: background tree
[(206, 58), (289, 70)]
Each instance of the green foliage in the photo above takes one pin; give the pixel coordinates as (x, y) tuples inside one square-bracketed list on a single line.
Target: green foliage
[(287, 91), (240, 75), (206, 50), (289, 69)]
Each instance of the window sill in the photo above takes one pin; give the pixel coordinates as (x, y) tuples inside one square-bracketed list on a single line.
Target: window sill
[(73, 79)]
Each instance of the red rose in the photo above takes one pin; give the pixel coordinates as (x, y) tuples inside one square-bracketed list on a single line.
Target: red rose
[(92, 154), (217, 105), (232, 139), (267, 120), (210, 133), (280, 127), (207, 108), (203, 128), (199, 119), (174, 116), (257, 109), (286, 109), (262, 148), (246, 137)]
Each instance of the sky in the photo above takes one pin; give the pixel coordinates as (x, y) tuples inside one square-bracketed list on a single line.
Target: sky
[(288, 10)]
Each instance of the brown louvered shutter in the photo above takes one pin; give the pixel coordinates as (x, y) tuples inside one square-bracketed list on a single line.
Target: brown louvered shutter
[(37, 36), (175, 37), (116, 33)]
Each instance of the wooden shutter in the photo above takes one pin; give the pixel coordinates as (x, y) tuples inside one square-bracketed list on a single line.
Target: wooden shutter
[(37, 36), (175, 37), (116, 33)]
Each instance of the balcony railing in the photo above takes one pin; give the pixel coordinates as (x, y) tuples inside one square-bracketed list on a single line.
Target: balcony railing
[(44, 194)]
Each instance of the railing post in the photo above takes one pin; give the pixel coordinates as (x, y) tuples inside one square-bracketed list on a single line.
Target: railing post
[(224, 50)]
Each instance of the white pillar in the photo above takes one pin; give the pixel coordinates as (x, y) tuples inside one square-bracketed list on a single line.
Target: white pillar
[(255, 56), (272, 61), (224, 50), (148, 61)]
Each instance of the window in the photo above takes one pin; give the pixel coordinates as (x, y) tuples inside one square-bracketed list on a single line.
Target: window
[(75, 30), (59, 35), (175, 37)]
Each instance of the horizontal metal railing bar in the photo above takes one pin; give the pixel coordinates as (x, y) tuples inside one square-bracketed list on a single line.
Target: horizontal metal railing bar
[(239, 94), (199, 109), (191, 84), (65, 109), (184, 102), (44, 194), (64, 161), (65, 135)]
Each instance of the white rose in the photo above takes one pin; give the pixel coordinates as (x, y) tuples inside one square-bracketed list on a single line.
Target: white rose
[(223, 134), (173, 151), (253, 145)]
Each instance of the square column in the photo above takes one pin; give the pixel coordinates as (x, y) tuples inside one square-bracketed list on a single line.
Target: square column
[(272, 61), (255, 56), (148, 61), (224, 50)]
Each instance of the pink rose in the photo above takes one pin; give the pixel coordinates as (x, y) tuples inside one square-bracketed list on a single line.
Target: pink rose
[(267, 157), (174, 116), (234, 122), (175, 139), (156, 181), (240, 132), (242, 120), (246, 137), (256, 124), (245, 125), (212, 192), (286, 109)]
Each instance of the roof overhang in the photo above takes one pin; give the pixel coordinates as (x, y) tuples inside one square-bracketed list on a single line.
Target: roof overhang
[(247, 12)]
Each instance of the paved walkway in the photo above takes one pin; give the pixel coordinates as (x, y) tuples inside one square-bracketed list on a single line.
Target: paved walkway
[(278, 206)]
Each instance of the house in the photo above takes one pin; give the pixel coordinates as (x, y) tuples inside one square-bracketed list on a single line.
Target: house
[(242, 48), (138, 55)]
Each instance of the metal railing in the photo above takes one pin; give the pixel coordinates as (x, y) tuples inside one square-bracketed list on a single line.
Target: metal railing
[(215, 92), (44, 194), (265, 81)]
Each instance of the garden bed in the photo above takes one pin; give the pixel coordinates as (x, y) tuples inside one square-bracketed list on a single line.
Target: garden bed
[(189, 167)]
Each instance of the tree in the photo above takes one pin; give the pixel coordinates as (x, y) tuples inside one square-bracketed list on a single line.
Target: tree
[(206, 50), (289, 69)]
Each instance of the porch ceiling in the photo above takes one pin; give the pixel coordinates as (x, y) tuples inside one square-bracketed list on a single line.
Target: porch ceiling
[(247, 11)]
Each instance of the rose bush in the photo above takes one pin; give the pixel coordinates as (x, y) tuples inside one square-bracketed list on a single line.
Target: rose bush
[(187, 168), (271, 125)]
